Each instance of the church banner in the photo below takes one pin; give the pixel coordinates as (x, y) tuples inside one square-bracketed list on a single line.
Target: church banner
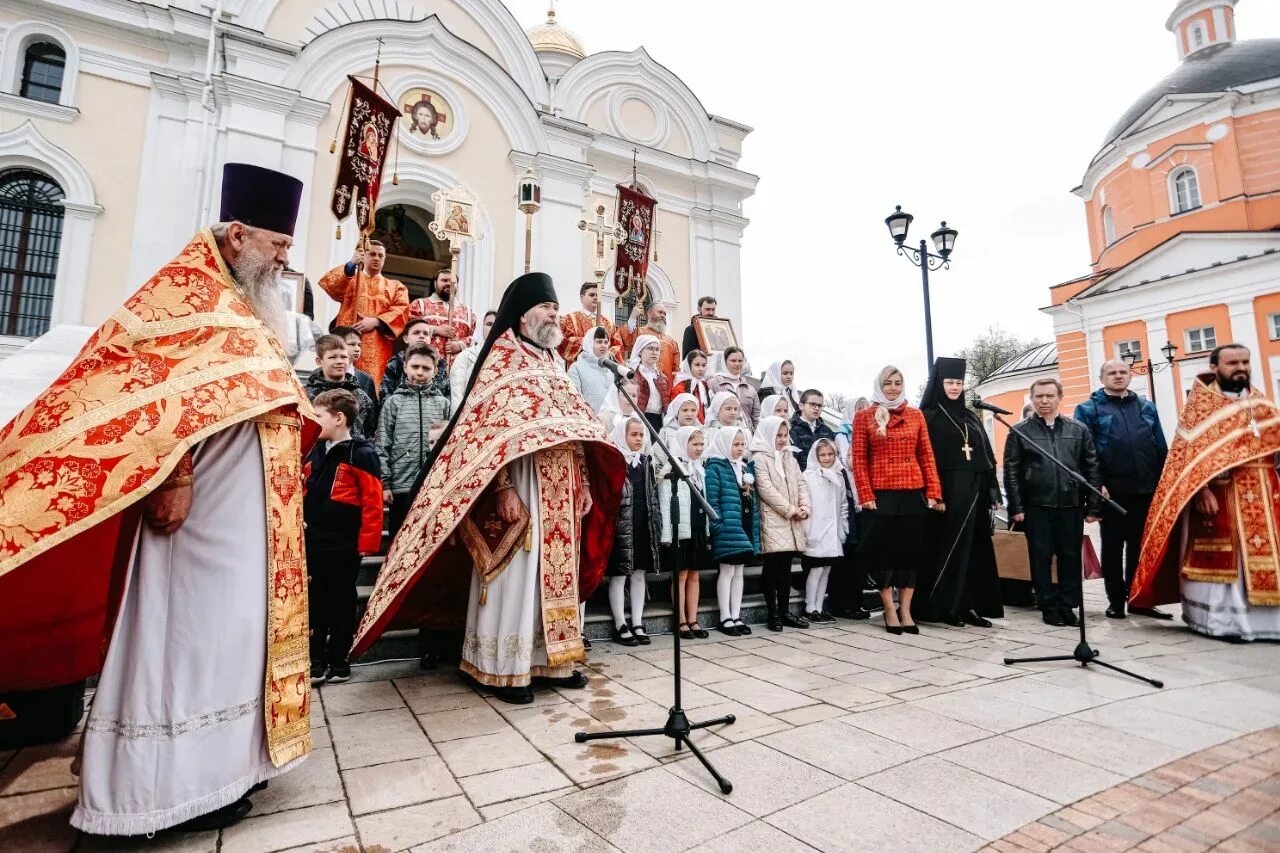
[(635, 213), (370, 121)]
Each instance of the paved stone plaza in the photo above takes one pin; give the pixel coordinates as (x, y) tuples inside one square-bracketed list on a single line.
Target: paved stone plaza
[(846, 738)]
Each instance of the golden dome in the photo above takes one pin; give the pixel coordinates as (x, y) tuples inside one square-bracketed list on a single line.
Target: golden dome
[(553, 37)]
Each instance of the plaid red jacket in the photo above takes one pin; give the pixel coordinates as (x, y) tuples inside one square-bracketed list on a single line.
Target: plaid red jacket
[(902, 458)]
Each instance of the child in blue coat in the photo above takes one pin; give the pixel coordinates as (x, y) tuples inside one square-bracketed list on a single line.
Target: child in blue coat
[(735, 537)]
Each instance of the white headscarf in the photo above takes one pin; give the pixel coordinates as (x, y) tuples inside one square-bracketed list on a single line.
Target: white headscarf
[(721, 447), (713, 408), (835, 473), (619, 439), (613, 402), (673, 408), (681, 447), (642, 343), (697, 387), (881, 402), (719, 367), (770, 403), (773, 379), (763, 442)]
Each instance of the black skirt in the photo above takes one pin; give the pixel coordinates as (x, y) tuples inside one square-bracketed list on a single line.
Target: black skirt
[(893, 538)]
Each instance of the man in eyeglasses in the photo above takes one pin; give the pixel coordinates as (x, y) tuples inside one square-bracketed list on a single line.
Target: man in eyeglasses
[(807, 425)]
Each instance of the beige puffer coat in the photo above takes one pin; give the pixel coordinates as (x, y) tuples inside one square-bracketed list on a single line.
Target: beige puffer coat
[(778, 531)]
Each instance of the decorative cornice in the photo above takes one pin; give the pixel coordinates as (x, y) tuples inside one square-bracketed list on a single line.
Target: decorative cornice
[(25, 144), (15, 105)]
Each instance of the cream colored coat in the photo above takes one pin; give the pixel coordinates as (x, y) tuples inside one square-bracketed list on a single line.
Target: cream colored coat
[(779, 497)]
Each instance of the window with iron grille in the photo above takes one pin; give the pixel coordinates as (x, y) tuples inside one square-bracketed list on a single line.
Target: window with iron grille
[(30, 233), (1202, 339), (42, 69)]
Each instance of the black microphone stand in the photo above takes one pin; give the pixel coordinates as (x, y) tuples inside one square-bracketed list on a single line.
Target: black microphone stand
[(1083, 653), (678, 727)]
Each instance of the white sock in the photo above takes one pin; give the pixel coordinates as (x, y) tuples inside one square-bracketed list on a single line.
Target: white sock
[(637, 599), (724, 591), (617, 599), (811, 589), (821, 598), (737, 592), (582, 614)]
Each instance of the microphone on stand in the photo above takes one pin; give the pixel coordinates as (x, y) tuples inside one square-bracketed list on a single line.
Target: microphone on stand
[(979, 403), (619, 370)]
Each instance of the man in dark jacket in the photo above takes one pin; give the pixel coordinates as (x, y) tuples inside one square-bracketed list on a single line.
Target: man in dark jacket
[(1131, 450), (807, 425), (1050, 505), (689, 342)]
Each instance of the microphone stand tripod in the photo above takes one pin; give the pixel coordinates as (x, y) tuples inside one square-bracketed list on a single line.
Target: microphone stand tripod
[(1083, 653), (678, 727)]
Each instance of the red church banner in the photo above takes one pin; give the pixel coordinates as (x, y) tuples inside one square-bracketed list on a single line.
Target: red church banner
[(635, 213), (370, 121)]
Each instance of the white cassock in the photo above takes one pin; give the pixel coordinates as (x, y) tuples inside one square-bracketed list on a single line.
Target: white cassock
[(176, 729), (505, 641)]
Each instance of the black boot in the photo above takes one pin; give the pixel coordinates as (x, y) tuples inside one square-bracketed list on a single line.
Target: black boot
[(971, 617)]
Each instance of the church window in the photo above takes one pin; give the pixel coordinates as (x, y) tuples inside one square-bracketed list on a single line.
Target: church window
[(1123, 348), (42, 72), (1197, 37), (1273, 324), (30, 233), (1186, 190), (1108, 225), (1202, 339)]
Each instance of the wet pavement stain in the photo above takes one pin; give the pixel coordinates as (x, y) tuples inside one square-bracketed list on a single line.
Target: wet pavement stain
[(599, 769), (605, 752), (609, 714)]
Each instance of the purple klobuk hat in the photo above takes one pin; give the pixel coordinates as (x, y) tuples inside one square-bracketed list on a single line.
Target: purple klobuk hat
[(260, 198)]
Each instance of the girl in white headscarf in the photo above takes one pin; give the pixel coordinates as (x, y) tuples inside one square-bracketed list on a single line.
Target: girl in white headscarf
[(897, 482), (654, 391), (735, 535), (691, 379), (682, 411), (724, 411), (637, 535), (689, 543), (616, 407), (729, 373), (780, 379), (826, 528), (784, 507), (777, 405)]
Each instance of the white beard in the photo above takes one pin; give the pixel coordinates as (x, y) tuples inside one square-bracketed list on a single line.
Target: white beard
[(259, 280), (545, 335), (659, 328)]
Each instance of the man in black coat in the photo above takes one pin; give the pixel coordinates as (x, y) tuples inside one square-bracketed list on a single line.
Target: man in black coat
[(689, 343), (1051, 506)]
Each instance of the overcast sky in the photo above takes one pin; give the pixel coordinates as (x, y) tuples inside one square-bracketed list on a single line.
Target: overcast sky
[(982, 113)]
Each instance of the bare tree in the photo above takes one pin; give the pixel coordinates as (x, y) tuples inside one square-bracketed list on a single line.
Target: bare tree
[(838, 400), (992, 350)]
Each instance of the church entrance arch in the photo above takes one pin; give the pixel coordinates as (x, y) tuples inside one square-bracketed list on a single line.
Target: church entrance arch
[(414, 255)]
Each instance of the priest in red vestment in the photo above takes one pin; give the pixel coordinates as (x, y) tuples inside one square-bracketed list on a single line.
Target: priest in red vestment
[(375, 306), (451, 327), (151, 531), (624, 339), (514, 521), (576, 325), (1213, 536)]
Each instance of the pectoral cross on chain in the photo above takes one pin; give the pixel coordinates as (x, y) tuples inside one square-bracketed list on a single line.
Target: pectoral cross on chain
[(968, 451)]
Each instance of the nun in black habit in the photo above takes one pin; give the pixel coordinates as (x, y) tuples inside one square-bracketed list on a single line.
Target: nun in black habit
[(959, 584)]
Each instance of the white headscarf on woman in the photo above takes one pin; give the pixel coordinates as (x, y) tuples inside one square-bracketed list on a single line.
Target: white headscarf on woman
[(713, 408), (773, 378), (719, 367), (673, 409), (721, 446), (619, 439), (764, 442), (882, 403)]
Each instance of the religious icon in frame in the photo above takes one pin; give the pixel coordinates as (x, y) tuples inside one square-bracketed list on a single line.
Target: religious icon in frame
[(715, 334), (293, 287), (429, 114)]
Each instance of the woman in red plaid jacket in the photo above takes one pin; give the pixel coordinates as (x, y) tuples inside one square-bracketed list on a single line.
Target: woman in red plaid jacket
[(897, 484)]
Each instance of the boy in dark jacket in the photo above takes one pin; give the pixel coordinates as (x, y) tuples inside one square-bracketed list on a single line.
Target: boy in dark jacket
[(411, 419), (332, 361), (342, 509), (354, 345)]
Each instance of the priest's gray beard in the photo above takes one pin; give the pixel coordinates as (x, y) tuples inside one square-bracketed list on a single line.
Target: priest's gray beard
[(258, 275), (658, 327), (545, 334)]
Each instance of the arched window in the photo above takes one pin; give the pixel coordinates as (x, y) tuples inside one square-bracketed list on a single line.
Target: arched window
[(1108, 226), (1185, 190), (42, 71), (1197, 37), (30, 233)]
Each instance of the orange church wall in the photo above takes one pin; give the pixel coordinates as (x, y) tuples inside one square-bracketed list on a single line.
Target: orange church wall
[(1205, 17), (1112, 335), (1178, 323), (1073, 368), (1013, 401), (1258, 141), (1060, 293), (1262, 306)]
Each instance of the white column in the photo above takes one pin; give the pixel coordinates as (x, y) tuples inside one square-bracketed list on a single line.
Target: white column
[(1244, 326), (715, 261), (557, 242), (1166, 391)]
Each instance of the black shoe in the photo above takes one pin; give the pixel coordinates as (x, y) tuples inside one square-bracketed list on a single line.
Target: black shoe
[(825, 618), (1115, 611), (318, 673), (1054, 618), (1069, 617), (774, 623), (971, 617), (685, 632), (727, 628), (953, 620), (218, 819), (743, 630), (911, 629), (622, 636), (860, 614), (339, 672), (576, 681), (792, 620), (698, 631), (641, 637), (1150, 613), (892, 629), (586, 643), (513, 695)]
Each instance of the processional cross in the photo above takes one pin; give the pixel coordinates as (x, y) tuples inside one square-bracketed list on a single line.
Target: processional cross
[(606, 234)]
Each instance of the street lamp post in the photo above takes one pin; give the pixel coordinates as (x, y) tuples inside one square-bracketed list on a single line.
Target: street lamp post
[(1169, 350), (944, 241)]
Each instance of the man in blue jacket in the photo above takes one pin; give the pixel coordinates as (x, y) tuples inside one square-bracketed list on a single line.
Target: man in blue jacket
[(1131, 450)]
